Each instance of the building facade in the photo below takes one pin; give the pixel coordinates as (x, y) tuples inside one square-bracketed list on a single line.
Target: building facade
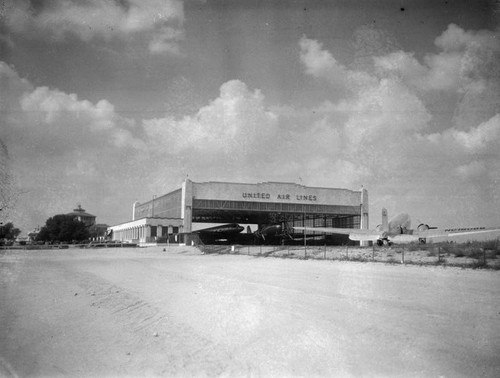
[(80, 215), (199, 205)]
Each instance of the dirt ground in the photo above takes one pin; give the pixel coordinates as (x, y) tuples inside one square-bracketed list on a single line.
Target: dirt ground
[(178, 312)]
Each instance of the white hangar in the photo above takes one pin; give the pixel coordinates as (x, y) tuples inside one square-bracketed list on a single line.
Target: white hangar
[(194, 206)]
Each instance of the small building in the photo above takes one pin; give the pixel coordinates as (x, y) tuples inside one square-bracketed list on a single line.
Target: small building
[(98, 231), (80, 215), (33, 234)]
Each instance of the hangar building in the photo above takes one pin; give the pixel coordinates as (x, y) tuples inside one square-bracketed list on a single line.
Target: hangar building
[(195, 206)]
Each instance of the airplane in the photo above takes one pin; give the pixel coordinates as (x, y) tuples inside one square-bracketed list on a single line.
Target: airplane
[(398, 231), (232, 233), (270, 230), (225, 231)]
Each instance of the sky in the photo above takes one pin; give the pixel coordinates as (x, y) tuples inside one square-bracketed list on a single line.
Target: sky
[(107, 102)]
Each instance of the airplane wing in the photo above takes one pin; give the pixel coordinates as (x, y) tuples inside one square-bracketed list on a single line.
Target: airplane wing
[(475, 232), (494, 232), (354, 233)]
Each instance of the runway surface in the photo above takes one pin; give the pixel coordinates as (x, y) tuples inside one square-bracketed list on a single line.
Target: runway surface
[(149, 312)]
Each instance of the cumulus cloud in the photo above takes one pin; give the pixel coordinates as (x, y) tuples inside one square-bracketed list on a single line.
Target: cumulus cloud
[(55, 112), (45, 114), (381, 133), (473, 170), (454, 38), (12, 87), (459, 66), (440, 72), (235, 123), (159, 21), (235, 137), (480, 138), (319, 62), (63, 149)]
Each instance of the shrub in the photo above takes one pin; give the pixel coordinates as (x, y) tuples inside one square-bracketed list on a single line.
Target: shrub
[(476, 253)]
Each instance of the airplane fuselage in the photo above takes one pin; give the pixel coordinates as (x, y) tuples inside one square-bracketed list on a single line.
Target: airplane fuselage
[(232, 228)]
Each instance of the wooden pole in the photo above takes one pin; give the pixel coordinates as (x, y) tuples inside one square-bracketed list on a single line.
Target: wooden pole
[(305, 238)]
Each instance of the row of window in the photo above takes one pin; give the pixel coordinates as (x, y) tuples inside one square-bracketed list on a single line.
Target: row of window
[(274, 206)]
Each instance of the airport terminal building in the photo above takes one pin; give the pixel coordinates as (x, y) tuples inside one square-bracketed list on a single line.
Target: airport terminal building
[(174, 216)]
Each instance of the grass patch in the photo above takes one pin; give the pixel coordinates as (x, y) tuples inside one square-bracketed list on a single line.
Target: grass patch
[(472, 255)]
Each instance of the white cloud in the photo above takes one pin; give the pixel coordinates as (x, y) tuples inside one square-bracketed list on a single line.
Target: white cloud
[(455, 38), (63, 149), (380, 133), (52, 111), (159, 21), (11, 87), (41, 115), (473, 170), (458, 67), (167, 41), (319, 62), (236, 123), (480, 138)]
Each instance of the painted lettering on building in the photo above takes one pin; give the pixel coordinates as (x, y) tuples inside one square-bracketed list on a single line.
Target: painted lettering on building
[(302, 197), (281, 197), (257, 195)]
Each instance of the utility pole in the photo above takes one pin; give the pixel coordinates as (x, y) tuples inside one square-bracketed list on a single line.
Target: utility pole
[(305, 238)]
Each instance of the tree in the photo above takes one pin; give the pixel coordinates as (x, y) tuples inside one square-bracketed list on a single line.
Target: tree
[(8, 191), (8, 231), (63, 228)]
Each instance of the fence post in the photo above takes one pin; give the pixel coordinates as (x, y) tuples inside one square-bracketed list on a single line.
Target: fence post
[(373, 251), (403, 256), (347, 250), (439, 255)]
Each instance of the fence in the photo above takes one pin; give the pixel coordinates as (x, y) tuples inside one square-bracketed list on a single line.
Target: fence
[(475, 255)]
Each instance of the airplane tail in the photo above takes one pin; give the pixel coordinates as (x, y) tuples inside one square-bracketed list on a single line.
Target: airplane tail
[(385, 220)]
